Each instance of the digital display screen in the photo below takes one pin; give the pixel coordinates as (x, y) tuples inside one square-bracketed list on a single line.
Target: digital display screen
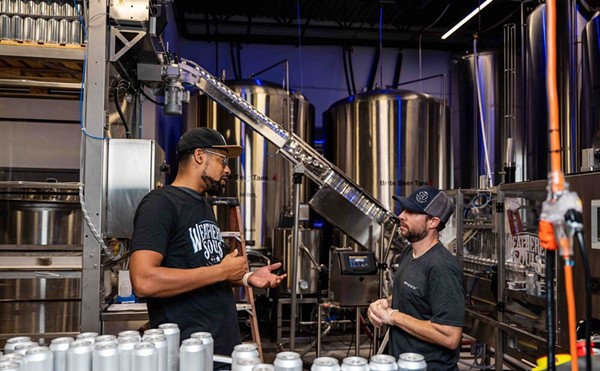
[(358, 261)]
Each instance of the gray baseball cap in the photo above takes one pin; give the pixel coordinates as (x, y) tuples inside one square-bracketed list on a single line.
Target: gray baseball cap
[(428, 200)]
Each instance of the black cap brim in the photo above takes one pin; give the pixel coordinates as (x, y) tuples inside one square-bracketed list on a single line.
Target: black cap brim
[(409, 204), (233, 151)]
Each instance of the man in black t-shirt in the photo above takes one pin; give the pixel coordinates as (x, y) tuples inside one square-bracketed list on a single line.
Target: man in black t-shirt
[(426, 310), (178, 259)]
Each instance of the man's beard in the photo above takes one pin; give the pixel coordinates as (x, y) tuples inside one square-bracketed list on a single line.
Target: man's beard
[(214, 187), (414, 235)]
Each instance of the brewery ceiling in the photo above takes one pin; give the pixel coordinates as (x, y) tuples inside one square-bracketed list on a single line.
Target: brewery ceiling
[(404, 23)]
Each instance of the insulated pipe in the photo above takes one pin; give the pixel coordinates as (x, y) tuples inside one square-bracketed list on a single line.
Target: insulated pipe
[(298, 173)]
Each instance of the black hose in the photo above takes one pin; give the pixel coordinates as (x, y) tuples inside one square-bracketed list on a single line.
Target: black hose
[(351, 70), (121, 115), (588, 300), (233, 62), (550, 315), (148, 97), (346, 72)]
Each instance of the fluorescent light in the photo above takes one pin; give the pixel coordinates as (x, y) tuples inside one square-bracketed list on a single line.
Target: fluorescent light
[(466, 19)]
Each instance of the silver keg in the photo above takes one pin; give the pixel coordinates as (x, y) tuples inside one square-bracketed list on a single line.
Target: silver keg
[(288, 361), (76, 36), (105, 356), (31, 8), (68, 9), (52, 31), (192, 355), (144, 357), (325, 364), (79, 356), (355, 364), (208, 341), (17, 6), (39, 359), (383, 362), (55, 9), (43, 8), (172, 334), (5, 6), (59, 347), (41, 30), (411, 362), (64, 31)]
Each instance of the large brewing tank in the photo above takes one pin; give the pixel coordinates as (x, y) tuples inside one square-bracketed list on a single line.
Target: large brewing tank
[(590, 136), (389, 142), (261, 177), (468, 146)]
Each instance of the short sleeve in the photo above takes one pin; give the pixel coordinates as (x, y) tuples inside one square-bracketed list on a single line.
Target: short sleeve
[(447, 298), (153, 223)]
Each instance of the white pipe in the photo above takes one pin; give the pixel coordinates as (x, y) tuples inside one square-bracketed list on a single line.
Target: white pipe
[(483, 133)]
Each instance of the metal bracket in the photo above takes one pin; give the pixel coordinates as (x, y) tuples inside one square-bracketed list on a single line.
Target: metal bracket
[(500, 207), (116, 33), (500, 306)]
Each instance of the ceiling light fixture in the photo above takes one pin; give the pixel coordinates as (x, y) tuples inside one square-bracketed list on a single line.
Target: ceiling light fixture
[(466, 19)]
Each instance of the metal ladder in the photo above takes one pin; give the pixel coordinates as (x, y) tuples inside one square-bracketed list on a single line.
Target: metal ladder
[(236, 235)]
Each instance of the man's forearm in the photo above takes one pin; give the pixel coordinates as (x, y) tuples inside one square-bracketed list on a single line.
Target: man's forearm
[(447, 336)]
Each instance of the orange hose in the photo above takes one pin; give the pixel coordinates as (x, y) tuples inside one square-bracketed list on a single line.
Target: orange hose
[(557, 176), (571, 312)]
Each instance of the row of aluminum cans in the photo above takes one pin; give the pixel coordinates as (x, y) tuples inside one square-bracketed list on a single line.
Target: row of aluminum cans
[(245, 358), (40, 30), (40, 8)]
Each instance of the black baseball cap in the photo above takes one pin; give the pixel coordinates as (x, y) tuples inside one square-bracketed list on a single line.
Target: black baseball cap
[(428, 200), (207, 138)]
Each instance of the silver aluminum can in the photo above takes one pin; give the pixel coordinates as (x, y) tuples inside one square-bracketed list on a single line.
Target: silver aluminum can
[(263, 367), (105, 339), (244, 351), (17, 6), (126, 345), (144, 357), (28, 29), (14, 358), (208, 341), (325, 364), (288, 361), (245, 364), (383, 362), (192, 355), (105, 357), (42, 7), (9, 366), (79, 356), (22, 348), (354, 364), (88, 336), (55, 9), (17, 28), (152, 331), (172, 334), (59, 347), (39, 359), (67, 9), (52, 38), (41, 30), (411, 362), (130, 333), (160, 342), (64, 31), (30, 8), (5, 6), (12, 342), (5, 27)]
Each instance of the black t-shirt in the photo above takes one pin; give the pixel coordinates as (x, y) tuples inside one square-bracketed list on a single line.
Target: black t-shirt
[(428, 288), (179, 224)]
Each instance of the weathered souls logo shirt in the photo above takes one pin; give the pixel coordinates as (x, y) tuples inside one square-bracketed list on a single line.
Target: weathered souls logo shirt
[(207, 240)]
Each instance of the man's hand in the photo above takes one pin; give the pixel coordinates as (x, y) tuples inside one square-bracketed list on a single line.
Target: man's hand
[(380, 313), (263, 277), (234, 266)]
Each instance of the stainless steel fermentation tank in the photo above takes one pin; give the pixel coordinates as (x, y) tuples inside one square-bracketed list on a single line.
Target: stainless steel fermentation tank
[(590, 136), (389, 142), (261, 178), (40, 259)]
